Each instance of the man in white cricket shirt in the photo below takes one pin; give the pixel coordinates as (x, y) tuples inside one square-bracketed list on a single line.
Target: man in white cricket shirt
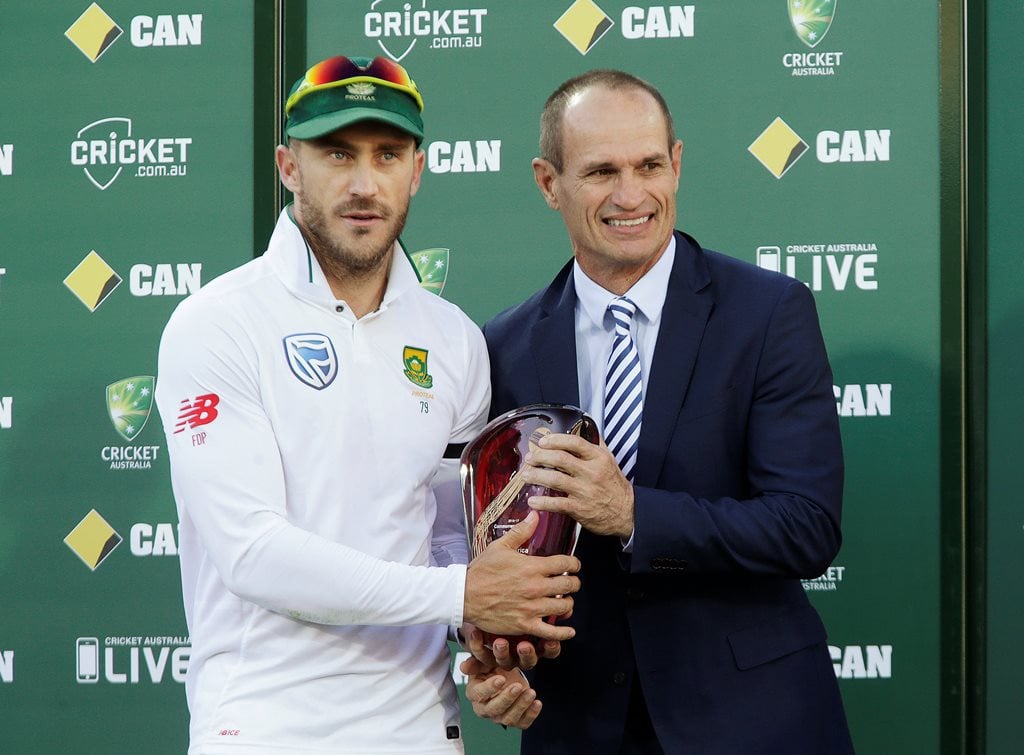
[(315, 400)]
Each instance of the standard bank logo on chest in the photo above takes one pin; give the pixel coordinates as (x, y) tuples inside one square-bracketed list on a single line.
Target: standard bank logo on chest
[(312, 359)]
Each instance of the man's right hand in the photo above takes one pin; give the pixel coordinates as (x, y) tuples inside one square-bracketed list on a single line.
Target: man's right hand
[(510, 593), (500, 695)]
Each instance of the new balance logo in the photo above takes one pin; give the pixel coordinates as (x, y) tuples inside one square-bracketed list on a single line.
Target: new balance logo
[(195, 413)]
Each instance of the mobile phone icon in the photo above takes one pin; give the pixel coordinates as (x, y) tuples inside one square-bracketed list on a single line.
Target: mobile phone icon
[(87, 659), (769, 258)]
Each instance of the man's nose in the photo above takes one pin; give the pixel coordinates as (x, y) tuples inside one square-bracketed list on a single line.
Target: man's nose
[(364, 180), (629, 191)]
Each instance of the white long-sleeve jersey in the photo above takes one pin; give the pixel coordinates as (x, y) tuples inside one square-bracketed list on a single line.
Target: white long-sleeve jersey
[(322, 544)]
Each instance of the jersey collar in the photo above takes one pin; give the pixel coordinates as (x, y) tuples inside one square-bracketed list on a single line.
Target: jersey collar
[(295, 264)]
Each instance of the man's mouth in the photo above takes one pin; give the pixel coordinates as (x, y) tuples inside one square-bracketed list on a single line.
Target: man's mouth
[(362, 217), (628, 222), (362, 210)]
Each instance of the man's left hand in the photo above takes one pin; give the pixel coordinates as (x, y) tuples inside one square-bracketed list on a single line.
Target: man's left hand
[(598, 495)]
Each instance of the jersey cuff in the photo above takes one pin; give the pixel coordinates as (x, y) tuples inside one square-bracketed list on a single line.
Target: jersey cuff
[(459, 598)]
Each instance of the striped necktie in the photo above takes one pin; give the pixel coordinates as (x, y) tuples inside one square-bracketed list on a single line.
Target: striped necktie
[(623, 395)]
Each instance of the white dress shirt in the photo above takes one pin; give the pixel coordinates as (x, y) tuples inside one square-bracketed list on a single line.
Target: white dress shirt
[(595, 332)]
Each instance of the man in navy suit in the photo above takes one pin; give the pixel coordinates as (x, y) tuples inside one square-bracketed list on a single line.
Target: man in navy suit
[(693, 632)]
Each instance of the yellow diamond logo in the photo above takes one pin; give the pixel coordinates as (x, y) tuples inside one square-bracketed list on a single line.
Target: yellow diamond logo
[(583, 25), (93, 539), (778, 147), (93, 33), (92, 281)]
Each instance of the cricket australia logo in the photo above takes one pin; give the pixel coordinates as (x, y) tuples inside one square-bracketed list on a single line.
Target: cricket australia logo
[(432, 268), (415, 361), (811, 19), (312, 359), (129, 402)]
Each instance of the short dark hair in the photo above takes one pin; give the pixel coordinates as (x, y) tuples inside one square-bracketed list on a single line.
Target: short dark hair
[(551, 143)]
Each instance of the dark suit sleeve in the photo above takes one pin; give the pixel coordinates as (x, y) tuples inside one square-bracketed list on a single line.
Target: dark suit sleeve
[(762, 468)]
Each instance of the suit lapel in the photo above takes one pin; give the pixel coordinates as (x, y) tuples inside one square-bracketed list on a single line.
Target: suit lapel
[(553, 341), (688, 304)]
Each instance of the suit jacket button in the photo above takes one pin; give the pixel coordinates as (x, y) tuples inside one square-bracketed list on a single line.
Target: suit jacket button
[(618, 678)]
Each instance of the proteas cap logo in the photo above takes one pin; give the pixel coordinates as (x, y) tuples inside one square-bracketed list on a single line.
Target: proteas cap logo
[(415, 361), (811, 19), (361, 88), (129, 402)]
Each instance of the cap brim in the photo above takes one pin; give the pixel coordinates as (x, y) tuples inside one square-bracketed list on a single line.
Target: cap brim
[(322, 125)]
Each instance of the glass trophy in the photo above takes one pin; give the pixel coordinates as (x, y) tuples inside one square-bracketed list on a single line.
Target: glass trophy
[(493, 492)]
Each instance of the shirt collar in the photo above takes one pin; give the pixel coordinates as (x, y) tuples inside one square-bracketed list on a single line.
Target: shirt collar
[(648, 293)]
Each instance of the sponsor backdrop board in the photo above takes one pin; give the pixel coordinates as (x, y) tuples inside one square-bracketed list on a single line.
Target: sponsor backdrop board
[(126, 184), (802, 152), (127, 177)]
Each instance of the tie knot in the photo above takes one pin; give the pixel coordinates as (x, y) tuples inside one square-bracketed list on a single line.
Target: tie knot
[(622, 310)]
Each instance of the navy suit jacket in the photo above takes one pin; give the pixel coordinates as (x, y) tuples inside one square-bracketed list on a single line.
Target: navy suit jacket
[(738, 488)]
